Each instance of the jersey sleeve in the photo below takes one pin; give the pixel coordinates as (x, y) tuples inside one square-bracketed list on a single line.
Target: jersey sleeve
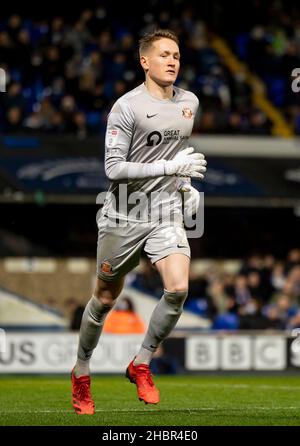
[(119, 134)]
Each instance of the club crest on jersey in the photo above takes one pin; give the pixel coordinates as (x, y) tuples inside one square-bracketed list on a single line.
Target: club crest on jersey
[(106, 267), (187, 113)]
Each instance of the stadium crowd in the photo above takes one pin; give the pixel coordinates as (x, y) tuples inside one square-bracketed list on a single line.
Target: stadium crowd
[(263, 294), (65, 73), (271, 48)]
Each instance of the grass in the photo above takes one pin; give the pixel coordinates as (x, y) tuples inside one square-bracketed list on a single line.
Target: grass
[(185, 401)]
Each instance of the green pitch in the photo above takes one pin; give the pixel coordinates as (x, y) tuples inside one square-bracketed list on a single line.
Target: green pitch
[(185, 400)]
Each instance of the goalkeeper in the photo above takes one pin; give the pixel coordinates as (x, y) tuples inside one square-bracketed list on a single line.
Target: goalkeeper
[(146, 150)]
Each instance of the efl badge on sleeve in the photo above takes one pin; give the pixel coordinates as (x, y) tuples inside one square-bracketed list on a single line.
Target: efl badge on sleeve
[(112, 137)]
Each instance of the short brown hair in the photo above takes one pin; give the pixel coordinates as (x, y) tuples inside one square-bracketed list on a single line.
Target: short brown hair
[(146, 41)]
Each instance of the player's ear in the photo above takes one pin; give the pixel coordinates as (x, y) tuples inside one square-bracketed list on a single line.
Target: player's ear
[(144, 62)]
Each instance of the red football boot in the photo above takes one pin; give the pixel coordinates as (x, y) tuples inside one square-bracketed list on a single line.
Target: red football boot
[(81, 395), (141, 376)]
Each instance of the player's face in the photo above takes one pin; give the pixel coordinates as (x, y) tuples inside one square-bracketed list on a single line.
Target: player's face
[(162, 61)]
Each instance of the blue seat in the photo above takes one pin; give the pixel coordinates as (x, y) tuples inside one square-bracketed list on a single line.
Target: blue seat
[(226, 321), (93, 119)]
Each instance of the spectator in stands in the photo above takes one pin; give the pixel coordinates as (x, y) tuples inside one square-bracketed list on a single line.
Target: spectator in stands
[(241, 292), (13, 119), (199, 299), (228, 318), (123, 319), (42, 116), (277, 278), (148, 279), (74, 312), (283, 313), (293, 259), (255, 319)]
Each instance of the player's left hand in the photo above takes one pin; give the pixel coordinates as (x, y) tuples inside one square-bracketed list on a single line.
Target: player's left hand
[(190, 196)]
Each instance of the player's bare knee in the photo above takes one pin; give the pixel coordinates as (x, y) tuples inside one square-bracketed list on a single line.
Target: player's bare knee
[(107, 299), (107, 292)]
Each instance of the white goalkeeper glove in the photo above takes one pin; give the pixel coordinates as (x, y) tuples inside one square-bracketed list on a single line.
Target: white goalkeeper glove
[(190, 196), (186, 164)]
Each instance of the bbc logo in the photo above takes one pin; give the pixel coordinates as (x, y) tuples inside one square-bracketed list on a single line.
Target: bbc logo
[(239, 352)]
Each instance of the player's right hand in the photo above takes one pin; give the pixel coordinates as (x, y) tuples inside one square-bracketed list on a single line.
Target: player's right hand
[(187, 164)]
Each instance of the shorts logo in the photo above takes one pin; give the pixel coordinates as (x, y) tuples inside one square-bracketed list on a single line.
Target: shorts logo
[(187, 113), (106, 268)]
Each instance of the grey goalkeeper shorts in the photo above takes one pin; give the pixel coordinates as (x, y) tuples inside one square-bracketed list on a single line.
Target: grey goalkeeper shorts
[(119, 247)]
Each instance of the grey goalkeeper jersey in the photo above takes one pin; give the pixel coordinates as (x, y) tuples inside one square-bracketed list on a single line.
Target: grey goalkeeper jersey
[(141, 130)]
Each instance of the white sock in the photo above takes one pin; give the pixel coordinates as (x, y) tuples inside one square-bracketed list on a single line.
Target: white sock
[(82, 368), (144, 356)]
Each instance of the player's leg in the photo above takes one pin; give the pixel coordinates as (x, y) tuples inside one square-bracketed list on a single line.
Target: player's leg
[(93, 318), (96, 310), (118, 253), (174, 271)]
